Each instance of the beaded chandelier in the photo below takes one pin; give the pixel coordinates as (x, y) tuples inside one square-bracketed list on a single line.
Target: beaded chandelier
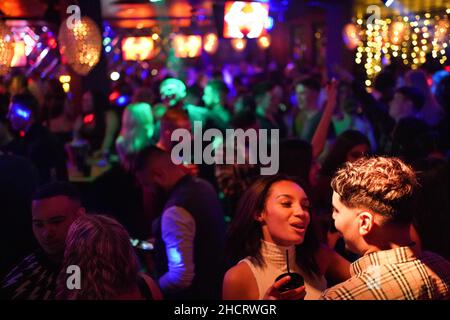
[(80, 45), (6, 48)]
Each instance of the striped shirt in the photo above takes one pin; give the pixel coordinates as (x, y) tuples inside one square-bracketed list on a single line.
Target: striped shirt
[(396, 274)]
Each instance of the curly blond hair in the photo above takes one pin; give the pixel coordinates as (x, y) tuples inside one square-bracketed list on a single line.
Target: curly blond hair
[(383, 185), (137, 131), (100, 246)]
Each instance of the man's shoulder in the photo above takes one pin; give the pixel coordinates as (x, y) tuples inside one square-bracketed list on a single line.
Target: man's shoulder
[(30, 279), (437, 263), (20, 271), (350, 289)]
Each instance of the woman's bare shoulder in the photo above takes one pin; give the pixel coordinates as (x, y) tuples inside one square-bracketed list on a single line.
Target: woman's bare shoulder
[(239, 283)]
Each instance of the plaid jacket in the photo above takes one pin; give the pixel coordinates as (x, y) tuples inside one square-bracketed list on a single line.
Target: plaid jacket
[(396, 274)]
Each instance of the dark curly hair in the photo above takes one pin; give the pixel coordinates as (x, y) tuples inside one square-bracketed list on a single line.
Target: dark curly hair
[(383, 185)]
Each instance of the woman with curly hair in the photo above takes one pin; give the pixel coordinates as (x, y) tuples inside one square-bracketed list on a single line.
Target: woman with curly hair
[(101, 248)]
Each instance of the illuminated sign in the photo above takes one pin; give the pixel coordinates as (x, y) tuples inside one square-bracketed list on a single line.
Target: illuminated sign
[(187, 46), (138, 48), (245, 19)]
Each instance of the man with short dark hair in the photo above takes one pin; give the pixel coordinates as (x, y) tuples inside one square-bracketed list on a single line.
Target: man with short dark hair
[(407, 102), (190, 231), (372, 209), (34, 141), (406, 137), (307, 92), (55, 206), (214, 97)]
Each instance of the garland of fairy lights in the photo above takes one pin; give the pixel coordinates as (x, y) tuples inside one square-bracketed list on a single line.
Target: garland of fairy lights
[(409, 38)]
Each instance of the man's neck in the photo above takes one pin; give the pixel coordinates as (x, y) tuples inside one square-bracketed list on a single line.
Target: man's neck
[(396, 239), (56, 258)]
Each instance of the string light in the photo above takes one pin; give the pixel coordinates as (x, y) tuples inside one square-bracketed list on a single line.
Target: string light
[(411, 41)]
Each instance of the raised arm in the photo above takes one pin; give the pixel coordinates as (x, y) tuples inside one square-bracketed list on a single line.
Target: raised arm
[(320, 135)]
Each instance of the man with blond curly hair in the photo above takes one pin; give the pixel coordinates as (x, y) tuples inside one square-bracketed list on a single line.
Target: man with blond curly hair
[(372, 208)]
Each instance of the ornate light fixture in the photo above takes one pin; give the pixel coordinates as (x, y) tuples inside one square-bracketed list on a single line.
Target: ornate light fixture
[(6, 48), (80, 45)]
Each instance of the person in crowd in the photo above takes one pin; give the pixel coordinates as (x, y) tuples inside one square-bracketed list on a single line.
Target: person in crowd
[(384, 86), (307, 93), (18, 181), (6, 134), (270, 230), (172, 120), (116, 192), (375, 106), (57, 117), (348, 147), (173, 93), (214, 97), (244, 103), (190, 231), (443, 97), (407, 102), (267, 110), (100, 246), (34, 141), (97, 124), (234, 178), (136, 132), (373, 203), (431, 112), (348, 115), (408, 132), (55, 206), (431, 220)]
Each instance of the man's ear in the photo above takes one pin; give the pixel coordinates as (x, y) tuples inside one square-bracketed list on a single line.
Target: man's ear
[(366, 222)]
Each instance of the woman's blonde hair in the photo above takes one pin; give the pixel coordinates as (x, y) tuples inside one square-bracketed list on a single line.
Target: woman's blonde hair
[(137, 130), (100, 246)]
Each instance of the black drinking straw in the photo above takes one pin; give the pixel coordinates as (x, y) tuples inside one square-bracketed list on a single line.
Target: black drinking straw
[(287, 260)]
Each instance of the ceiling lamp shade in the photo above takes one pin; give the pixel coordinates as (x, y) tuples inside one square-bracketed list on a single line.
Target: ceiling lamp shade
[(138, 48), (81, 45), (6, 48), (187, 46)]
